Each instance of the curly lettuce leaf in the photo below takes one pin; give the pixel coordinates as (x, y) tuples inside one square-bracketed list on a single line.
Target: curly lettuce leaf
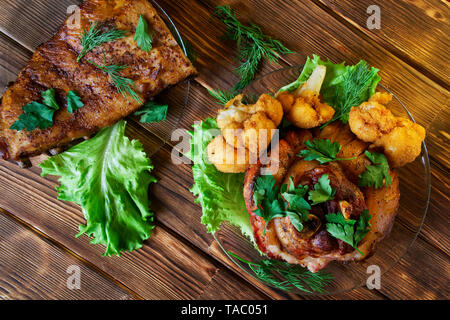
[(219, 194), (332, 77), (344, 86), (108, 176)]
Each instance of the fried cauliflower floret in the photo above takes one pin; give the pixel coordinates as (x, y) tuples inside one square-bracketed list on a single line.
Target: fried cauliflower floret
[(400, 138), (226, 158), (403, 144), (250, 126), (303, 107), (371, 120)]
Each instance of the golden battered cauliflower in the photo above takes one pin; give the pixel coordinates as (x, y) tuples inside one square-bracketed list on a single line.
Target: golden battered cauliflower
[(227, 158), (400, 138), (303, 107), (247, 130), (250, 126)]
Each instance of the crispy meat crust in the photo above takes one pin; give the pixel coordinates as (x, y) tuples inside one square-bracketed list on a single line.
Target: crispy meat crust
[(54, 65)]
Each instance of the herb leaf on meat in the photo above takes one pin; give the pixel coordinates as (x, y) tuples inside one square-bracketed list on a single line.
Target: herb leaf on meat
[(376, 175), (95, 37), (142, 35), (322, 191), (73, 102), (322, 150)]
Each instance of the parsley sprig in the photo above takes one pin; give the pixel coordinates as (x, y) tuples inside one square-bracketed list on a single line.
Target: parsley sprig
[(40, 115), (142, 35), (268, 199), (375, 175), (124, 85), (322, 150), (285, 276), (297, 208), (322, 191), (73, 102), (274, 202), (348, 230), (253, 46), (96, 37), (152, 112)]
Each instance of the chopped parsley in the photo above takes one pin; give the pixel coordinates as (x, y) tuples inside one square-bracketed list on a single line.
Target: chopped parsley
[(142, 35), (322, 150), (152, 112), (376, 175), (348, 230), (322, 191)]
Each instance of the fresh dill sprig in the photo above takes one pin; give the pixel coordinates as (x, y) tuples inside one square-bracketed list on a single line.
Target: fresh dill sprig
[(252, 43), (124, 85), (353, 90), (285, 276), (95, 37), (222, 96)]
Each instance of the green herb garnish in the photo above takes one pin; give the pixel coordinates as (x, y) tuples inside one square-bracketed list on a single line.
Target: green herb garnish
[(322, 150), (376, 175), (152, 112), (356, 85), (273, 202), (222, 96), (73, 102), (95, 37), (48, 98), (297, 208), (285, 276), (267, 199), (124, 85), (322, 191), (142, 35), (253, 46), (348, 230), (38, 115)]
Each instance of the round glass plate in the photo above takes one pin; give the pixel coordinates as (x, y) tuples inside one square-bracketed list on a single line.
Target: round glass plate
[(175, 97), (414, 199)]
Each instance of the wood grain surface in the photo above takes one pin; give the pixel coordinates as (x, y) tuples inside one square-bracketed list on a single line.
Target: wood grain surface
[(181, 260)]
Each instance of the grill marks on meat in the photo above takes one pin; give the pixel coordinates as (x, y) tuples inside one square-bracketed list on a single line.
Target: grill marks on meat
[(54, 65), (314, 247)]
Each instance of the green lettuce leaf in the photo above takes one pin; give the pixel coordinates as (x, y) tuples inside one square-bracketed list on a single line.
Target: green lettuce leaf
[(108, 176), (344, 86), (219, 194), (332, 77)]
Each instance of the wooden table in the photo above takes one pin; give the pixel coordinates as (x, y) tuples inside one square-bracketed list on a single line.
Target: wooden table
[(181, 260)]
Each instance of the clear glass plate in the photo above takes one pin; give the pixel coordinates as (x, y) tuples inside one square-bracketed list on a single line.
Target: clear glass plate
[(414, 199), (175, 97)]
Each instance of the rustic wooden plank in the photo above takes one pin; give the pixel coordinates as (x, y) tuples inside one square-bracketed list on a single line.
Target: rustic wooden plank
[(32, 23), (421, 274), (33, 268), (165, 268), (415, 31)]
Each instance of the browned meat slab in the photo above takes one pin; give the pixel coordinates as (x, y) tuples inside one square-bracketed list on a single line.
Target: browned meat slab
[(54, 65), (314, 247)]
